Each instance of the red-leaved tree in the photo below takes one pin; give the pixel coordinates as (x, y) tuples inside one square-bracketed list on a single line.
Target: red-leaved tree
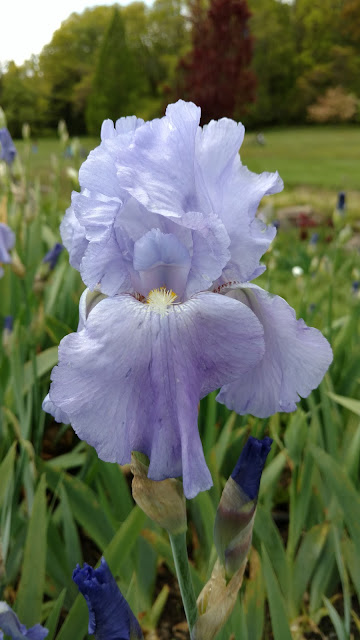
[(216, 73)]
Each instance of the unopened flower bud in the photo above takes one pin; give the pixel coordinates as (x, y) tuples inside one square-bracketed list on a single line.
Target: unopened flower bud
[(16, 264), (25, 130), (7, 333), (162, 500), (236, 511), (109, 613), (52, 256), (216, 602)]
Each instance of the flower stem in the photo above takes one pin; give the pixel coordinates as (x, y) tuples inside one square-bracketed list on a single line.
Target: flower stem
[(179, 550)]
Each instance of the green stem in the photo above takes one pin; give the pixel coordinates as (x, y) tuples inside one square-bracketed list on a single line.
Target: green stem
[(179, 550)]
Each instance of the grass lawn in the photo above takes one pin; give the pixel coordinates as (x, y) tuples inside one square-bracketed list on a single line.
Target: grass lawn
[(327, 157)]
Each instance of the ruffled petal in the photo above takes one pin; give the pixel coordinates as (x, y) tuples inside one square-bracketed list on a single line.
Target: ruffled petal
[(73, 237), (96, 213), (158, 168), (217, 147), (241, 193), (98, 172), (132, 378), (295, 361), (104, 266), (49, 407)]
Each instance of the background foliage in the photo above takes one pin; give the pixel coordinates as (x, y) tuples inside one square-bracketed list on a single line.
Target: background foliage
[(300, 51)]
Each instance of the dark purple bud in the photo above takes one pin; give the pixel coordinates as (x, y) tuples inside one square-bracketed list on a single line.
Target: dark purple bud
[(110, 617), (8, 323), (8, 151), (355, 286), (52, 256), (236, 511), (249, 467), (341, 201)]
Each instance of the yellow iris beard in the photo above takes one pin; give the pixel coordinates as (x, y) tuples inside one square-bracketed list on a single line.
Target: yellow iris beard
[(160, 300)]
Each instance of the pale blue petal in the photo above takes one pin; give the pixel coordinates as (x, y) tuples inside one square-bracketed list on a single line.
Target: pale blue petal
[(7, 241), (250, 237), (98, 172), (295, 361), (96, 213), (161, 260), (104, 266), (73, 237), (11, 625), (58, 414), (132, 379), (158, 168)]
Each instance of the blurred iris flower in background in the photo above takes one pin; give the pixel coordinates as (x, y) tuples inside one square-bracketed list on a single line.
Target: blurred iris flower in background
[(8, 150), (7, 241), (11, 625), (165, 237)]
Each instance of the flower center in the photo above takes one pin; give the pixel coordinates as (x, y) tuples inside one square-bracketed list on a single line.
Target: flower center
[(159, 300)]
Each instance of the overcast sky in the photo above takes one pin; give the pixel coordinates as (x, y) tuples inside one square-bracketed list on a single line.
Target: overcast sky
[(27, 25)]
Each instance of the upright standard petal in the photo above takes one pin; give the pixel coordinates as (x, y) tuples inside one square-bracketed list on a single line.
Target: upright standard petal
[(132, 378), (295, 361), (235, 193), (110, 617), (11, 625)]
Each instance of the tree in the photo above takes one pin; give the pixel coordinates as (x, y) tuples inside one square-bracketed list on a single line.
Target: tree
[(216, 73), (274, 62), (23, 98), (67, 64), (117, 79)]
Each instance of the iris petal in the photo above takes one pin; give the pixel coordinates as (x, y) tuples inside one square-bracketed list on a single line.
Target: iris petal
[(131, 379), (295, 361), (7, 241), (110, 617), (10, 623)]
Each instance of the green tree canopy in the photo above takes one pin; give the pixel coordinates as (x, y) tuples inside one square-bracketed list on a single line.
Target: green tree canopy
[(67, 64), (116, 82)]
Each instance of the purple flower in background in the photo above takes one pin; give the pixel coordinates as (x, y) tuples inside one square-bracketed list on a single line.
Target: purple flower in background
[(341, 201), (11, 625), (165, 235), (110, 617), (8, 150), (52, 256), (8, 323), (7, 241)]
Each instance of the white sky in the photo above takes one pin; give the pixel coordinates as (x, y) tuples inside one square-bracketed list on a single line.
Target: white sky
[(27, 25)]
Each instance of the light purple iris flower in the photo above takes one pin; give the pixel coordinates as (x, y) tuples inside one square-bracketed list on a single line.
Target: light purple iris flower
[(7, 241), (164, 235), (8, 150), (11, 625)]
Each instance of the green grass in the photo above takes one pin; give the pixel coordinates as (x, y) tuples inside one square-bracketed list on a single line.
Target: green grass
[(315, 156)]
